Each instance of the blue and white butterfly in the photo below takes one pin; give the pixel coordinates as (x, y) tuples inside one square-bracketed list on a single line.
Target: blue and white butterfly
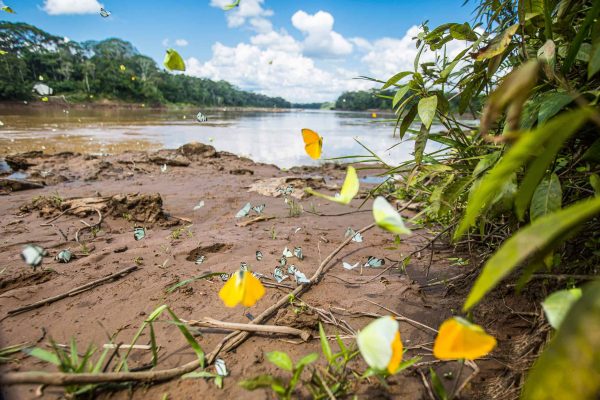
[(279, 275), (298, 253), (139, 233), (200, 260), (356, 237), (243, 266), (225, 277), (201, 117), (374, 262), (33, 255), (299, 277), (104, 13), (244, 211), (287, 253), (259, 209), (282, 261), (64, 256), (259, 255), (286, 191)]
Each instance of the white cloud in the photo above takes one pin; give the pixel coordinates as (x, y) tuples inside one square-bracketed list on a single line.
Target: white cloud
[(248, 11), (275, 71), (388, 56), (321, 40), (181, 42), (59, 7)]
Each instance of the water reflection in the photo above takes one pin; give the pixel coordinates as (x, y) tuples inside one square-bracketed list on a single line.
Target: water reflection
[(270, 137)]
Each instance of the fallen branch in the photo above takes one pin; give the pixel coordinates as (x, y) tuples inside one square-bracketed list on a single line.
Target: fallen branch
[(254, 220), (71, 292), (90, 227), (232, 326)]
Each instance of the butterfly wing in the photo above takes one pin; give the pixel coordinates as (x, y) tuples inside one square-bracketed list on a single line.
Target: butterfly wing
[(313, 143), (349, 189), (388, 218), (244, 211), (173, 61), (232, 292), (253, 290), (458, 338)]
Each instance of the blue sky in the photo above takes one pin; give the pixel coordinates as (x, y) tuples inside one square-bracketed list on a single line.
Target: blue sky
[(303, 50)]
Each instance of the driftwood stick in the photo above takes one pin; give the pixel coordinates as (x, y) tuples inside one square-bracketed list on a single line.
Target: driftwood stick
[(72, 292), (90, 227), (233, 326), (254, 220), (231, 341)]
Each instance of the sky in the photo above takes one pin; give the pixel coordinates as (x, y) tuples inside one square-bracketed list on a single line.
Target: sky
[(301, 50)]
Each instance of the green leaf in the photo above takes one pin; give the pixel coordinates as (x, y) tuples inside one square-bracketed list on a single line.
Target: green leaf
[(557, 305), (582, 32), (527, 146), (198, 374), (394, 79), (280, 359), (569, 367), (497, 45), (420, 143), (408, 120), (438, 386), (593, 152), (400, 94), (189, 337), (594, 64), (260, 381), (426, 108), (463, 32), (307, 359), (156, 313), (530, 8), (43, 355), (547, 198), (534, 240), (595, 183), (549, 147), (325, 347), (552, 103)]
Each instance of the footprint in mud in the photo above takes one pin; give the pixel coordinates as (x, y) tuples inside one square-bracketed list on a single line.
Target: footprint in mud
[(204, 250), (25, 280)]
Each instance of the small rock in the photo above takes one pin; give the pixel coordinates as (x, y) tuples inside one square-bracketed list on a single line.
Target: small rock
[(121, 249)]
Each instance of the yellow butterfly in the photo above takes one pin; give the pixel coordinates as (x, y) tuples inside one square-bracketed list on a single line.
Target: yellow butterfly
[(459, 338), (349, 188), (243, 288), (388, 218), (380, 345), (173, 61), (122, 67), (313, 143)]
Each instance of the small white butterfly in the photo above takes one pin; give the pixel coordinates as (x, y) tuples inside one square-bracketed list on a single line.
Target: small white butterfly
[(64, 256), (200, 260), (287, 253), (349, 266), (244, 211), (279, 275), (356, 237), (220, 367), (104, 13), (259, 255), (199, 205), (163, 169), (33, 255), (298, 253), (201, 117), (259, 209)]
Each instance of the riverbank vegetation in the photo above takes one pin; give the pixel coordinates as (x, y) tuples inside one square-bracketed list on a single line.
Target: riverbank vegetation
[(110, 69)]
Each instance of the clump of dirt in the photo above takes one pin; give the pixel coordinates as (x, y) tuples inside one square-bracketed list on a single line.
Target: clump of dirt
[(196, 150), (300, 320), (203, 250), (268, 187), (146, 208), (22, 161)]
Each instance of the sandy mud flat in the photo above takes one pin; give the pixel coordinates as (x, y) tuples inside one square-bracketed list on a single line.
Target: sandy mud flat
[(70, 193)]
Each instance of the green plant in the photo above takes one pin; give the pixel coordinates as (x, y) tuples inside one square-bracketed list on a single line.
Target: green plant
[(177, 233), (284, 389)]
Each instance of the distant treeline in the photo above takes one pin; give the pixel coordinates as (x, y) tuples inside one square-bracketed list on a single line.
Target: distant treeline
[(364, 100), (111, 69)]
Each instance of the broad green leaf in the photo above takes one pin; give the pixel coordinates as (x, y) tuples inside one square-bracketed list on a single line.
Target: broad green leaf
[(43, 355), (529, 9), (173, 61), (427, 107), (394, 79), (557, 305), (582, 31), (497, 45), (552, 103), (325, 347), (307, 359), (463, 32), (528, 145), (400, 94), (511, 94), (280, 359), (534, 240), (569, 367), (547, 198), (420, 143), (549, 147), (408, 120)]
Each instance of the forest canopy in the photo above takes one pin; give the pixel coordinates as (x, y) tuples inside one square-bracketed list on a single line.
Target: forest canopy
[(112, 69)]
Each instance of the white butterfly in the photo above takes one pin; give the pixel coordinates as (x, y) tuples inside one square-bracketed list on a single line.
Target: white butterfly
[(33, 255), (349, 266), (244, 211), (201, 117), (287, 253), (163, 169), (259, 209), (356, 237), (199, 205), (104, 13), (220, 367)]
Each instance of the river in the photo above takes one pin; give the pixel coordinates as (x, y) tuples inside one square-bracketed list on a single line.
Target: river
[(269, 137)]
